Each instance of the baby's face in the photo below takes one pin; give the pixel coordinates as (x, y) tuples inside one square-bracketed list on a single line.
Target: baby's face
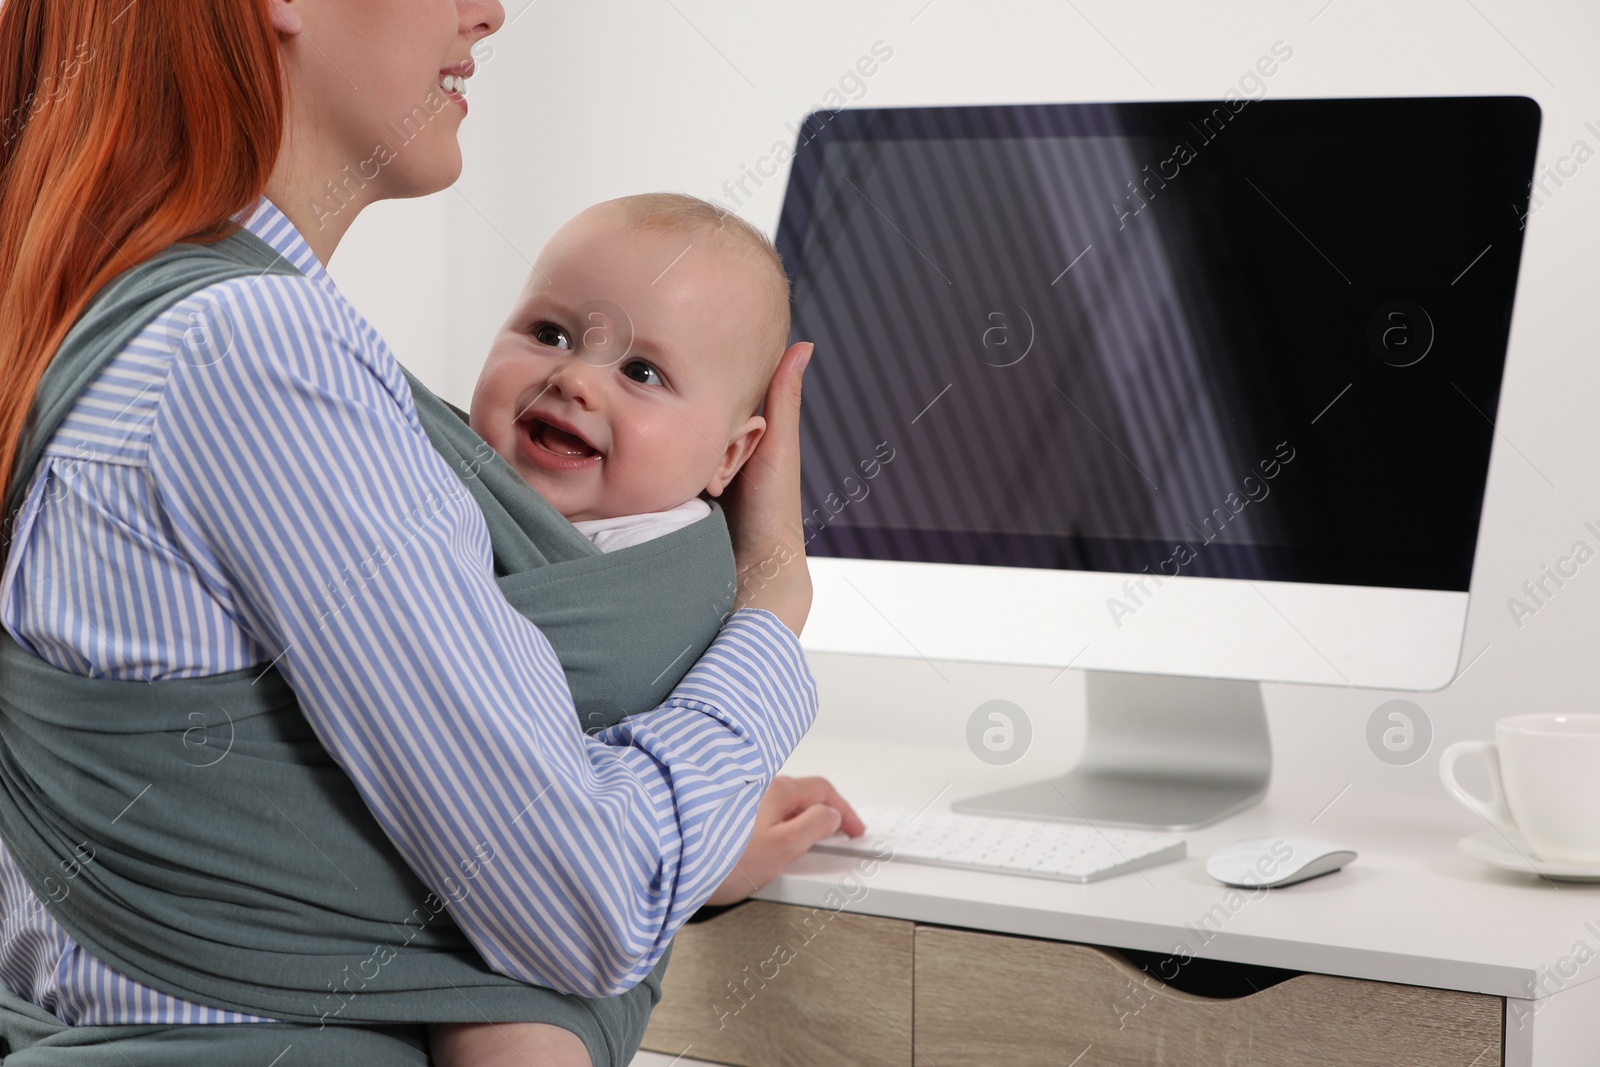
[(619, 385)]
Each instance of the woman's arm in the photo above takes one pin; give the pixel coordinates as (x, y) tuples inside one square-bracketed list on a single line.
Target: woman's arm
[(294, 473)]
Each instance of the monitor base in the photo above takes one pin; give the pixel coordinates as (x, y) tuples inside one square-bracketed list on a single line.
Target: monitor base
[(1122, 801), (1160, 753)]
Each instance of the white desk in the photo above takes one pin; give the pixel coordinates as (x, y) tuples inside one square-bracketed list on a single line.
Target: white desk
[(1411, 909)]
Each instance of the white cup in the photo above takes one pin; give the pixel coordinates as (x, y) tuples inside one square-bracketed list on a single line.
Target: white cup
[(1544, 773)]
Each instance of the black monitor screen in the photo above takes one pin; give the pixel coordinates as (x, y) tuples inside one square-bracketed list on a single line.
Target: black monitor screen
[(1243, 340)]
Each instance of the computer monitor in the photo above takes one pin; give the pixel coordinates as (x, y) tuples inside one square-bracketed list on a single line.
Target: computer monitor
[(1187, 395)]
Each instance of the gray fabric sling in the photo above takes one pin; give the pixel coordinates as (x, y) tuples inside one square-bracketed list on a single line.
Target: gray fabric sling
[(250, 875)]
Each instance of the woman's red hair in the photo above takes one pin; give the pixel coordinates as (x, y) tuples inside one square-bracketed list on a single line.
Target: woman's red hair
[(126, 126)]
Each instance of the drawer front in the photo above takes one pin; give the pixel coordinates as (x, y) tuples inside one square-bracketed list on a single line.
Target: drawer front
[(771, 985), (985, 998)]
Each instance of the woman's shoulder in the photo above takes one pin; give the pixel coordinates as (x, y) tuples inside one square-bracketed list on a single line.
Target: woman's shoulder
[(271, 333)]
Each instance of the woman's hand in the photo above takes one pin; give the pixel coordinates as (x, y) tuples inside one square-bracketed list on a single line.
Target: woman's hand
[(763, 504), (795, 814)]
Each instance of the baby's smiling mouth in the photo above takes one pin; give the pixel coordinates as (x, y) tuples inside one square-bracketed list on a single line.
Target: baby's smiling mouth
[(553, 446), (559, 441)]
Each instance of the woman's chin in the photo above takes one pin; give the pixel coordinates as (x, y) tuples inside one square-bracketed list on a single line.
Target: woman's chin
[(438, 173)]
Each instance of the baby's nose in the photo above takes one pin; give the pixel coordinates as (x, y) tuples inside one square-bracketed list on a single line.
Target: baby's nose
[(577, 381)]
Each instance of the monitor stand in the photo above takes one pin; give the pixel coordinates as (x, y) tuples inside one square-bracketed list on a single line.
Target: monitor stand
[(1159, 753)]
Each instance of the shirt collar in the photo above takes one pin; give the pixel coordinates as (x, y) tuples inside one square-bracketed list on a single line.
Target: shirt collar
[(274, 228)]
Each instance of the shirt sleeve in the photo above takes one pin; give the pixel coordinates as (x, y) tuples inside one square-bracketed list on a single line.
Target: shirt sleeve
[(295, 474)]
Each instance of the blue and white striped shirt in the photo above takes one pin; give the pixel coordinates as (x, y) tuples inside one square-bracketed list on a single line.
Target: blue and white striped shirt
[(248, 483)]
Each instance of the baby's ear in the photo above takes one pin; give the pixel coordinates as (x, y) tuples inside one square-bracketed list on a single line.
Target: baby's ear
[(740, 447)]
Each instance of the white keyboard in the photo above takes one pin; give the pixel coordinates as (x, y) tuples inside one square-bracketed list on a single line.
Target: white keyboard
[(1060, 851)]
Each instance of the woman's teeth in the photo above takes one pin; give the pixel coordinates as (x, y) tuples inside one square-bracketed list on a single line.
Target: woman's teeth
[(453, 83)]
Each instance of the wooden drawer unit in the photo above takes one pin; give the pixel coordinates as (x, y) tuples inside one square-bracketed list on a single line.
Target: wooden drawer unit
[(771, 985), (990, 999)]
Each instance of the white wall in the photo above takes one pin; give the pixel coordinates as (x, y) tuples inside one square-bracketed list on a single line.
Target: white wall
[(588, 99)]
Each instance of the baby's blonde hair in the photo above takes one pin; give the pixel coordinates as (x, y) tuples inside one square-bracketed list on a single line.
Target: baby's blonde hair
[(681, 213)]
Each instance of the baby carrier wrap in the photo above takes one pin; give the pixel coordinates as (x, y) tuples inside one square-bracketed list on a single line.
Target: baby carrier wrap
[(206, 889)]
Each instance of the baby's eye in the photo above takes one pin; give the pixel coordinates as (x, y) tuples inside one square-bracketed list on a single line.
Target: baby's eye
[(641, 372), (548, 333)]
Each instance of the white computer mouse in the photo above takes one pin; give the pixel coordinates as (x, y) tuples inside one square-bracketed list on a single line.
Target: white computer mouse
[(1276, 861)]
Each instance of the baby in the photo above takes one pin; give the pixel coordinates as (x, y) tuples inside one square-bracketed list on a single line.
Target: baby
[(626, 381), (624, 386)]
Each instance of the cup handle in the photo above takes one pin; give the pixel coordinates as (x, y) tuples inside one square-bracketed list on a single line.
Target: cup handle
[(1494, 809)]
